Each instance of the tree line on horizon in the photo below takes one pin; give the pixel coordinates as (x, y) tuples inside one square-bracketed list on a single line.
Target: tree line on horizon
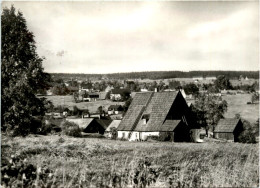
[(153, 75)]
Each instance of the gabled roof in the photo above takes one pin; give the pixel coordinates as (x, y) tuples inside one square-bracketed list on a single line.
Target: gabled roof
[(155, 107), (114, 124), (227, 125), (104, 122), (158, 108), (82, 123)]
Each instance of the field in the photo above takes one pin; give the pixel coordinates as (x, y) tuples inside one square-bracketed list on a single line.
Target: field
[(93, 162), (237, 104), (68, 101)]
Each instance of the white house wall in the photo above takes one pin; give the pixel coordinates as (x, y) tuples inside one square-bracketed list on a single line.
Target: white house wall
[(142, 135), (136, 135), (123, 134)]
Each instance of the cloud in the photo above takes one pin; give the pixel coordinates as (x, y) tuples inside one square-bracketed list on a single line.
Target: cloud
[(101, 37)]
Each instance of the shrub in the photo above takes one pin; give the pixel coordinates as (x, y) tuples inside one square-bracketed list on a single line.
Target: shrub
[(18, 172), (248, 135), (150, 138), (46, 128), (71, 129)]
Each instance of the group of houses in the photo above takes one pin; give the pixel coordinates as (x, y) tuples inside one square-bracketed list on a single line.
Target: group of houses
[(165, 115)]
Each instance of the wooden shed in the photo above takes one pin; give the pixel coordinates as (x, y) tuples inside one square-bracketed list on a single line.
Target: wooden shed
[(228, 129), (90, 125)]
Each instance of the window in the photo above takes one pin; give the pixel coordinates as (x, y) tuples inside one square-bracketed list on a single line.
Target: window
[(145, 118), (123, 135)]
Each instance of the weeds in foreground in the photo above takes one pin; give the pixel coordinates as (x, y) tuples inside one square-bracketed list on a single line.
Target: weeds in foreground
[(70, 162)]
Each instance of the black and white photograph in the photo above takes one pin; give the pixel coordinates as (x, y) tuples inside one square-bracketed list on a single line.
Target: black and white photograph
[(129, 94)]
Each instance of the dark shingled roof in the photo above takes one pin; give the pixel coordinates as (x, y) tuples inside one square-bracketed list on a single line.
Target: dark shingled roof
[(151, 106), (158, 108), (135, 111), (104, 122), (227, 125)]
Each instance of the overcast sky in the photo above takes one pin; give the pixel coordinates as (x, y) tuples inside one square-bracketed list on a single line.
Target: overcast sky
[(108, 37)]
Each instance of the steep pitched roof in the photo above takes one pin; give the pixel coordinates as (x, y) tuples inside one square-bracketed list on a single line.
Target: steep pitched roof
[(103, 122), (158, 109), (114, 124), (135, 111), (82, 123), (227, 125)]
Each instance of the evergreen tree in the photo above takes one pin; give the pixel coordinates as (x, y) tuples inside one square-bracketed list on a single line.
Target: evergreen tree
[(21, 73)]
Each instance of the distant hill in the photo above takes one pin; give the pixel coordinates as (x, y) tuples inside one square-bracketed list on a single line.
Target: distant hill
[(159, 75)]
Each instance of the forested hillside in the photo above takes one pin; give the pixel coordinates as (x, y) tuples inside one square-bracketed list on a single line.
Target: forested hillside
[(160, 75)]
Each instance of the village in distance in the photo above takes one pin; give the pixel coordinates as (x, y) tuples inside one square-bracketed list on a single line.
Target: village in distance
[(140, 129)]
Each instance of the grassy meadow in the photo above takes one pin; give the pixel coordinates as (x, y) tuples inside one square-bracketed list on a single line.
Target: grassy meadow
[(93, 162), (238, 104)]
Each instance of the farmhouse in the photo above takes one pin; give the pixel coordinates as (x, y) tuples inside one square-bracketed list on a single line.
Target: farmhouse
[(115, 109), (118, 94), (93, 96), (90, 125), (161, 114), (228, 129)]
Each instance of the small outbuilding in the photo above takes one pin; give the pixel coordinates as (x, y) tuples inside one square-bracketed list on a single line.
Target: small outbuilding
[(89, 125), (228, 129)]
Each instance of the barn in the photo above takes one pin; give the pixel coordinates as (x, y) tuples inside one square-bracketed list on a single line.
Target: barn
[(228, 129), (161, 114)]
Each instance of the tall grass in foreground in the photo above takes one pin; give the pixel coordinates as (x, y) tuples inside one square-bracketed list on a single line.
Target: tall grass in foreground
[(89, 162)]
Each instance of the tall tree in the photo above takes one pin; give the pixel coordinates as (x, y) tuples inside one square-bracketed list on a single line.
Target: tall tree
[(191, 88), (209, 110), (21, 73), (222, 83)]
